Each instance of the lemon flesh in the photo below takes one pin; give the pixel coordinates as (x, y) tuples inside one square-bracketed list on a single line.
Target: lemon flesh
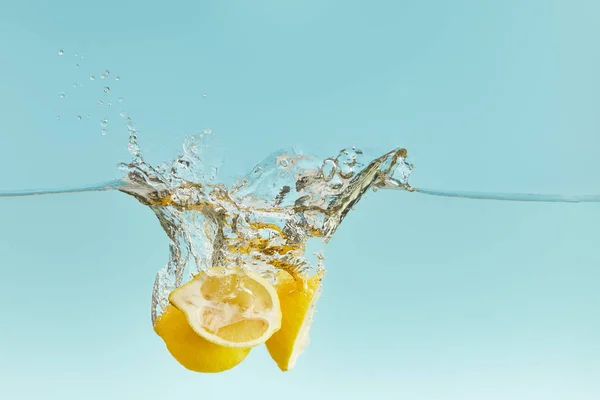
[(191, 350), (230, 307), (298, 301)]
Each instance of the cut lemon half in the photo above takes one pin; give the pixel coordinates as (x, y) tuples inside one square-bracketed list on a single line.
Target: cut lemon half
[(230, 307), (298, 300), (192, 350)]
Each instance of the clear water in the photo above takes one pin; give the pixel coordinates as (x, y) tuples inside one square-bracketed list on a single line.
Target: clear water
[(428, 295)]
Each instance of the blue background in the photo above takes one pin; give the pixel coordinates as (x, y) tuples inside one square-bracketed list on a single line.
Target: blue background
[(425, 297)]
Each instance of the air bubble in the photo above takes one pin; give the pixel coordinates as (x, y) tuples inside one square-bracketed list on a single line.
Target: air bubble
[(57, 117), (76, 55), (76, 65), (103, 131), (92, 78), (109, 104), (117, 78), (75, 85), (79, 117), (104, 122), (61, 52), (62, 95), (105, 74), (121, 99), (203, 94), (100, 102), (122, 114), (106, 89)]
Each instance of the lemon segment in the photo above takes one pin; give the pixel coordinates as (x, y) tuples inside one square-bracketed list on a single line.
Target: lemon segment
[(191, 350), (298, 301), (230, 307)]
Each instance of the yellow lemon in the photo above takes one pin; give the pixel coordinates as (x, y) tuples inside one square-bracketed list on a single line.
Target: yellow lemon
[(298, 300), (230, 307), (191, 350)]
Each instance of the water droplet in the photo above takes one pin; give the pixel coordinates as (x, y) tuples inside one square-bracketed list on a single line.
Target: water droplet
[(79, 117), (117, 78), (121, 99), (103, 131), (105, 74), (203, 94), (92, 78), (61, 52), (62, 95), (328, 169), (133, 149), (106, 89), (100, 102)]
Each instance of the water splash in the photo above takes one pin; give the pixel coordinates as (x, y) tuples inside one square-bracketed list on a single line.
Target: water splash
[(264, 220)]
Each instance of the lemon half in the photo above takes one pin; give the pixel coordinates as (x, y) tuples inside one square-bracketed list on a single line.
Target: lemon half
[(230, 307), (192, 350)]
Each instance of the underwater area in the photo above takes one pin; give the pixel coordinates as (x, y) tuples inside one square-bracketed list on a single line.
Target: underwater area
[(434, 164)]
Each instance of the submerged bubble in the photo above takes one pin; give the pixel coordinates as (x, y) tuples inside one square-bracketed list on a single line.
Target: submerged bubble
[(75, 85), (87, 116), (109, 104), (79, 117), (76, 55), (100, 102), (106, 89), (61, 52), (121, 99), (62, 95), (104, 122), (92, 78), (57, 117), (122, 114), (105, 74), (76, 65), (203, 94), (104, 131), (117, 78), (283, 161)]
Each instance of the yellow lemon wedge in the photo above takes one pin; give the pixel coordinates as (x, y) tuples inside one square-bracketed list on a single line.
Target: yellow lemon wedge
[(298, 300), (191, 350), (230, 307)]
